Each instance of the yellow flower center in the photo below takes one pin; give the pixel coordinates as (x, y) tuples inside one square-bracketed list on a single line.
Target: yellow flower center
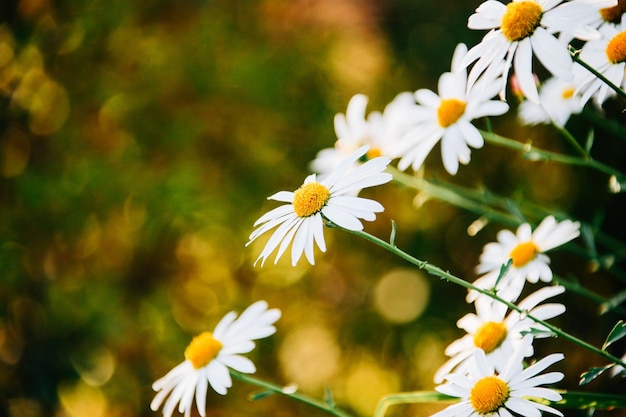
[(449, 111), (310, 198), (568, 93), (520, 20), (616, 49), (373, 153), (202, 349), (490, 336), (614, 14), (489, 394), (523, 253)]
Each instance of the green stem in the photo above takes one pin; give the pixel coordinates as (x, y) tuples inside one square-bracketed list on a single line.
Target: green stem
[(570, 399), (454, 198), (434, 270), (576, 57), (535, 154), (571, 139), (506, 211), (576, 288), (416, 397), (608, 125), (329, 408)]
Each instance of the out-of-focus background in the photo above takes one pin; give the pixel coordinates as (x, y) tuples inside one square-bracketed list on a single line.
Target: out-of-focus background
[(138, 144)]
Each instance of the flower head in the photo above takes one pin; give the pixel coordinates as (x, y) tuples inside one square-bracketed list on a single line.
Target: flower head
[(378, 130), (447, 117), (485, 392), (595, 14), (610, 14), (557, 102), (301, 220), (496, 333), (526, 250), (606, 55), (521, 29), (208, 357)]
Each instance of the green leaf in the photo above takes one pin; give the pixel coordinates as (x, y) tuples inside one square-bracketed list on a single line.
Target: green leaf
[(537, 332), (616, 334), (259, 395), (503, 270), (592, 374), (328, 398), (392, 238), (590, 400), (589, 142)]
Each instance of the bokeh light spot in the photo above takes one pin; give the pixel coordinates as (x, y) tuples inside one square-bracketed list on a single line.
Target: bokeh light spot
[(310, 357), (401, 295)]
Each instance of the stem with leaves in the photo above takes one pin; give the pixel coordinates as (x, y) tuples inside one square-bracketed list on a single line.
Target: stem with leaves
[(434, 270), (575, 53), (269, 389), (536, 154)]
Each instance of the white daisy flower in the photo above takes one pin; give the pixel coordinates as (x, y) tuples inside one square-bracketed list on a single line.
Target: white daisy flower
[(208, 357), (526, 249), (496, 334), (447, 117), (594, 13), (484, 392), (609, 14), (378, 130), (606, 55), (302, 219), (557, 102), (521, 29)]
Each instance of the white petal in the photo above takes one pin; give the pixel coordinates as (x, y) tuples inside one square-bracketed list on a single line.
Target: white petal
[(218, 377), (524, 71), (552, 54), (342, 218), (201, 393), (238, 363)]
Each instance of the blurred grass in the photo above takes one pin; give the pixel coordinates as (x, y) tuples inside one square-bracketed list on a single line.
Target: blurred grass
[(139, 143)]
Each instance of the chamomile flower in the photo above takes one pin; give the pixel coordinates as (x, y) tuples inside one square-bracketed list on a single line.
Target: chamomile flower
[(557, 102), (497, 335), (208, 357), (594, 13), (526, 250), (606, 55), (610, 14), (378, 130), (447, 117), (521, 29), (301, 220), (485, 392)]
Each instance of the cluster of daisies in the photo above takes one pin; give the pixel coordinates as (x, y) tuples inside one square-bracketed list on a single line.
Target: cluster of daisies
[(486, 368), (412, 124)]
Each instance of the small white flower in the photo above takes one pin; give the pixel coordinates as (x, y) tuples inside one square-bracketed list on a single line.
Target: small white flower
[(526, 249), (301, 220), (447, 117), (557, 102), (521, 29), (593, 13), (378, 130), (484, 392), (497, 335), (208, 357), (606, 55)]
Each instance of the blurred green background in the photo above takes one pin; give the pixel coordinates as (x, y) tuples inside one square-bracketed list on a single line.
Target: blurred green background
[(138, 144)]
